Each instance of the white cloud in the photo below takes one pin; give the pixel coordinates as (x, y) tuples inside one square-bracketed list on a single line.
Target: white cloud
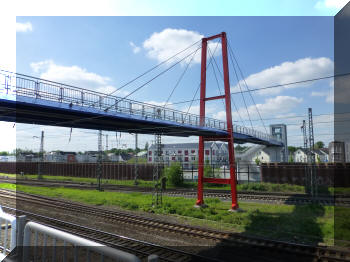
[(287, 72), (135, 48), (332, 4), (329, 95), (162, 45), (280, 104), (72, 75), (24, 27)]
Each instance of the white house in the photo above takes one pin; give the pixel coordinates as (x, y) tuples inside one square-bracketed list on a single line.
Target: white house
[(321, 155)]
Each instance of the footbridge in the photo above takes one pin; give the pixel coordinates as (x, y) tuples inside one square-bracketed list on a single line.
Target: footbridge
[(31, 100)]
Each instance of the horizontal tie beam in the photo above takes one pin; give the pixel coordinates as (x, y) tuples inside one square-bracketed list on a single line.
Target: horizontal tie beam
[(217, 180), (214, 98), (211, 138)]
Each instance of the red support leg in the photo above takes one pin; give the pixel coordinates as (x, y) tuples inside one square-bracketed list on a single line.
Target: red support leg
[(200, 200), (229, 122)]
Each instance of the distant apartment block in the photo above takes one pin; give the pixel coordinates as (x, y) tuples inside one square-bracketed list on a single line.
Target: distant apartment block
[(187, 153)]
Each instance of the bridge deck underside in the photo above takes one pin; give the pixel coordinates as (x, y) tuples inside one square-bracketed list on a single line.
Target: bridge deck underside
[(61, 114)]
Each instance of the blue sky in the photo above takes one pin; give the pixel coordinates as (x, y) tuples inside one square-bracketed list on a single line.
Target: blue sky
[(102, 53)]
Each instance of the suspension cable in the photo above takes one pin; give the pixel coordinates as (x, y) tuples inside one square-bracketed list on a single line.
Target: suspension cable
[(181, 77), (232, 101), (206, 68), (251, 96), (153, 78), (156, 66)]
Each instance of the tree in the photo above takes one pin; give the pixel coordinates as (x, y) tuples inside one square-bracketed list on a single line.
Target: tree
[(174, 174), (257, 161), (291, 159), (146, 146), (4, 153), (319, 144), (292, 149), (318, 159), (19, 151)]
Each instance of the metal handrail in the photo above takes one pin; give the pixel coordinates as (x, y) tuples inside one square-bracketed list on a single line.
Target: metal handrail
[(38, 88), (8, 219), (75, 241)]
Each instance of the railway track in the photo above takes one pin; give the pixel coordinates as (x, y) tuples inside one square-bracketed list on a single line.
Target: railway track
[(243, 247), (267, 197), (141, 249)]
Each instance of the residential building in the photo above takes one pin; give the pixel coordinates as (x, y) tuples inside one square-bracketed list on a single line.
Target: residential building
[(60, 156), (187, 153), (321, 155)]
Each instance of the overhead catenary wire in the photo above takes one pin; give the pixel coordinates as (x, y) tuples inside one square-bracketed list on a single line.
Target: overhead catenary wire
[(274, 86)]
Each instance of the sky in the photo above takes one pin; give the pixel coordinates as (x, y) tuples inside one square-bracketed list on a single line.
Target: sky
[(102, 53)]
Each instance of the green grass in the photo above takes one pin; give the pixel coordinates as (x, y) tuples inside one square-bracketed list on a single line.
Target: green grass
[(304, 223), (258, 187)]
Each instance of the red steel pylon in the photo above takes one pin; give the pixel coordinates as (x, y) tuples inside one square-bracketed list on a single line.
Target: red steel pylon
[(229, 137)]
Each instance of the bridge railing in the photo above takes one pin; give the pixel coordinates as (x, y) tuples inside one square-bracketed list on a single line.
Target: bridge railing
[(28, 86), (49, 90)]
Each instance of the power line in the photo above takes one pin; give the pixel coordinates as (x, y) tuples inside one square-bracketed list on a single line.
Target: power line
[(275, 86)]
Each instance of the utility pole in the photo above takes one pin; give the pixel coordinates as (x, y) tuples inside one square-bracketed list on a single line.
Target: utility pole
[(107, 142), (41, 156), (157, 193), (99, 161), (303, 130), (311, 160), (307, 151), (136, 161)]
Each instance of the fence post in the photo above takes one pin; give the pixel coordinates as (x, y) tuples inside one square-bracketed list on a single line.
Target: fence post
[(21, 222), (192, 172), (248, 174)]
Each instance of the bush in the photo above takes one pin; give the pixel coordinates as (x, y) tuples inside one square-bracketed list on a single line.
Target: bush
[(174, 174)]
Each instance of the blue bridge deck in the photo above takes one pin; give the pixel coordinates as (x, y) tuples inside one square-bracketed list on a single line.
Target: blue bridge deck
[(24, 99)]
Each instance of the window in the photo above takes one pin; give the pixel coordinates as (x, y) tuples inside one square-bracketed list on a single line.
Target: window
[(186, 152), (167, 152), (179, 151), (193, 151), (193, 158), (186, 159), (173, 158), (207, 152), (150, 159), (150, 153), (213, 152)]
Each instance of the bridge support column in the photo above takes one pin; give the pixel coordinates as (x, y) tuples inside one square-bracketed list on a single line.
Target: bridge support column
[(228, 138)]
